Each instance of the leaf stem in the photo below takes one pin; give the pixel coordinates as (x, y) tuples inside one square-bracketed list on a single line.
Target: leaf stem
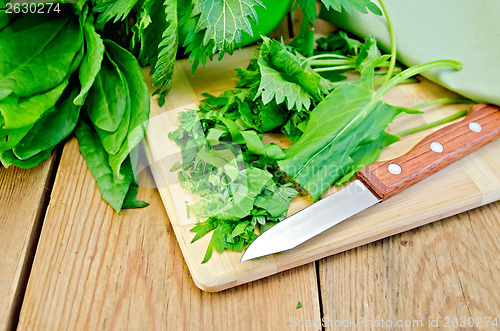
[(393, 43), (443, 101), (345, 67), (322, 56), (412, 71), (330, 62), (431, 125)]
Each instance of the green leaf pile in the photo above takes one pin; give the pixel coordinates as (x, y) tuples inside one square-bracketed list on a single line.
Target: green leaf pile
[(201, 28), (235, 174), (335, 129), (62, 77)]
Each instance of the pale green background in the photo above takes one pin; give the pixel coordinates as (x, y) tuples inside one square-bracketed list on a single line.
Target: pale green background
[(464, 30)]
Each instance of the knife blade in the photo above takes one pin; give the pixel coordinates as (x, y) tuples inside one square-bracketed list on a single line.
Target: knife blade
[(381, 180)]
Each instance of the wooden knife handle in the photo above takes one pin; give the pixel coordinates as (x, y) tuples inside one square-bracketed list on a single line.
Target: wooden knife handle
[(434, 152)]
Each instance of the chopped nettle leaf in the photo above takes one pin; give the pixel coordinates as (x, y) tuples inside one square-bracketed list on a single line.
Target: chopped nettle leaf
[(233, 172)]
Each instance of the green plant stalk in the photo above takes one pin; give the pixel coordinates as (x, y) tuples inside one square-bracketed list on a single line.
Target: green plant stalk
[(322, 56), (406, 81), (431, 125), (331, 62), (415, 70), (443, 101), (397, 70), (393, 44), (401, 77), (345, 67)]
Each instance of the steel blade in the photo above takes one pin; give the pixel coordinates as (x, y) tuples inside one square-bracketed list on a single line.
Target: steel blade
[(312, 220)]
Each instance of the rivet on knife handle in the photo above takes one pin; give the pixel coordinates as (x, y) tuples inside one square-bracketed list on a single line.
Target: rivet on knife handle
[(434, 152)]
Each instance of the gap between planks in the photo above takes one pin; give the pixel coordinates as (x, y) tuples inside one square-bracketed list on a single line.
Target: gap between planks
[(94, 270), (41, 180)]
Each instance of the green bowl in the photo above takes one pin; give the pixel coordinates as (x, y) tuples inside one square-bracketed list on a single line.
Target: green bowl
[(268, 19)]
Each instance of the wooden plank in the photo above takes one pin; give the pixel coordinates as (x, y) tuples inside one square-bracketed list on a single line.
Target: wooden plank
[(23, 194), (94, 269), (445, 269), (457, 188)]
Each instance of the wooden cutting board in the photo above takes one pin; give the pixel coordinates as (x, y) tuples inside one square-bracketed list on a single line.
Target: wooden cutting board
[(469, 183)]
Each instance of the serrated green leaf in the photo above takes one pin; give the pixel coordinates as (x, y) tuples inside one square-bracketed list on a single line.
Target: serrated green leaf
[(224, 21), (274, 86), (158, 31), (283, 77), (112, 9), (350, 5)]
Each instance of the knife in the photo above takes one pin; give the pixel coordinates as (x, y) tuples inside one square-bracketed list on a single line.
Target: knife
[(381, 180)]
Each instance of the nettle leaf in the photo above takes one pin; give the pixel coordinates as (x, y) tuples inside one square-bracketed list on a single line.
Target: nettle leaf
[(193, 39), (113, 9), (224, 20), (157, 32), (350, 5), (283, 77), (164, 66), (274, 86), (308, 8)]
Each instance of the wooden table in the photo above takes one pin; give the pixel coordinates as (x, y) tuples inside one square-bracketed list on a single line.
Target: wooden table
[(69, 262)]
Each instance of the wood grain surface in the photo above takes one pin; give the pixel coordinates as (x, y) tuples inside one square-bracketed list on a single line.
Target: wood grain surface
[(444, 270), (467, 184), (22, 205), (94, 269), (456, 140)]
